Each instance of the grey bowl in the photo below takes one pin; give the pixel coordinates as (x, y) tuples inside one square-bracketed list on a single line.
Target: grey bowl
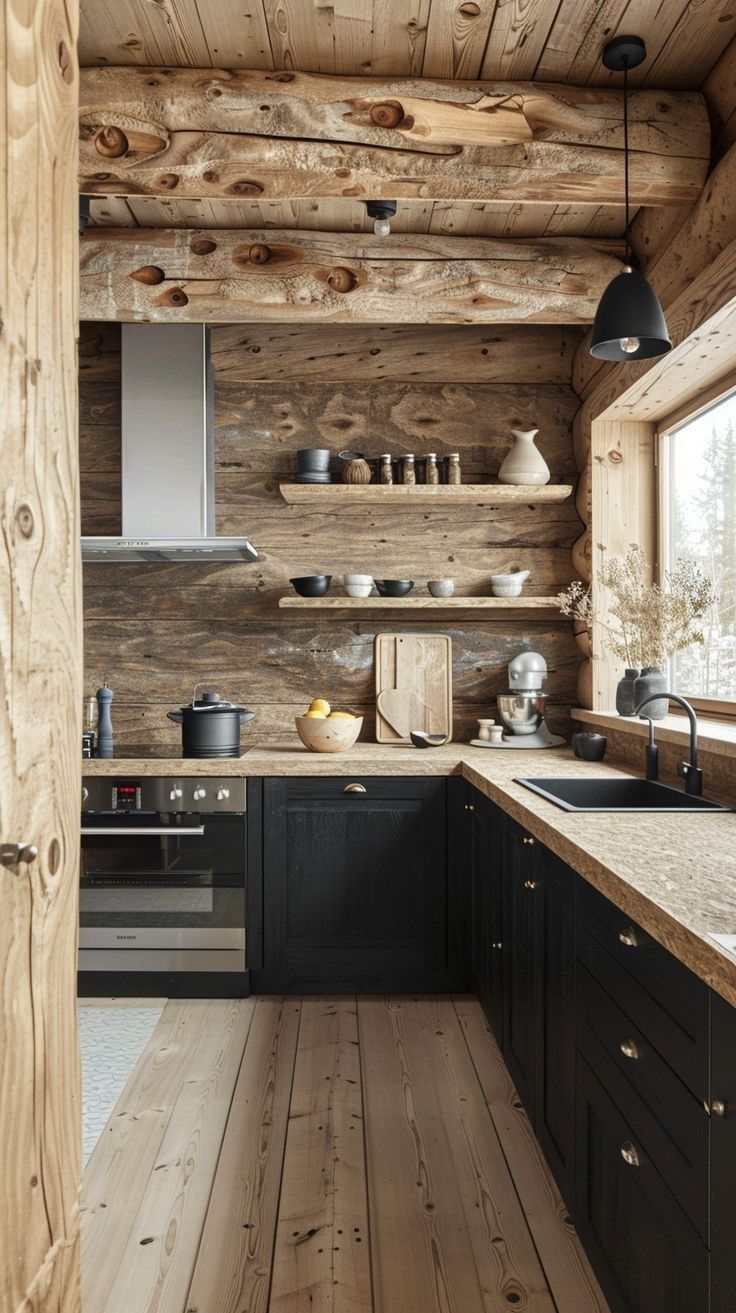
[(311, 585), (421, 739), (394, 587)]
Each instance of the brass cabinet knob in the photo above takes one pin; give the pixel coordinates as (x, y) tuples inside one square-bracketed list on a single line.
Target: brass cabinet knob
[(527, 839), (629, 1154), (469, 807), (355, 788), (498, 946), (715, 1109), (629, 937), (531, 884), (629, 1049)]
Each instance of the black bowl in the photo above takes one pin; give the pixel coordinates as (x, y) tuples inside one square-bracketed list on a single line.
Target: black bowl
[(394, 587), (589, 747), (312, 585), (421, 739)]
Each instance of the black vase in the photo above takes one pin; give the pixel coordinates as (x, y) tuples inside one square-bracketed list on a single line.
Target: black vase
[(625, 704)]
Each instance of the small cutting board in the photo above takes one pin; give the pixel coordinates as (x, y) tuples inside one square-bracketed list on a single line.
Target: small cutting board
[(413, 685)]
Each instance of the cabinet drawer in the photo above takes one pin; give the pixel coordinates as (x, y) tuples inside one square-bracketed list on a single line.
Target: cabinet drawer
[(646, 1253), (661, 996), (353, 788), (669, 1123)]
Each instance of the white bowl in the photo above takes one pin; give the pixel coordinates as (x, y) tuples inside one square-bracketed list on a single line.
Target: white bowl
[(441, 587), (509, 585), (506, 590), (359, 590), (358, 579)]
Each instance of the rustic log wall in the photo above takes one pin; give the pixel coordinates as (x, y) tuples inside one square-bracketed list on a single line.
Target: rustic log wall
[(156, 629)]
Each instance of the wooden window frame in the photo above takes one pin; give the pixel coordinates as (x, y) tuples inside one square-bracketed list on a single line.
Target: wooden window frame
[(713, 708)]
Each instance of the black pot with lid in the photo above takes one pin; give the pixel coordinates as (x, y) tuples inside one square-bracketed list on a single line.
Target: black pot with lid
[(210, 726)]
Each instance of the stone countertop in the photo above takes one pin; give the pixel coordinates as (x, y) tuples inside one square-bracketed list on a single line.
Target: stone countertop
[(674, 873)]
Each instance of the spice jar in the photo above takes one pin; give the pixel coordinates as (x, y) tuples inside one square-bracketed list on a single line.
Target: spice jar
[(454, 474), (432, 472), (386, 472), (408, 470)]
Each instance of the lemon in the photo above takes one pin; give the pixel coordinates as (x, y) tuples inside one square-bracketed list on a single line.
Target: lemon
[(312, 714), (341, 715), (321, 705)]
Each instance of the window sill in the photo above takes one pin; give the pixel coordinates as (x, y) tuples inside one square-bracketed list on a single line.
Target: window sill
[(713, 735)]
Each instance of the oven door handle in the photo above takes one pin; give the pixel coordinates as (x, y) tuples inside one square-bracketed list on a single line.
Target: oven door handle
[(120, 831)]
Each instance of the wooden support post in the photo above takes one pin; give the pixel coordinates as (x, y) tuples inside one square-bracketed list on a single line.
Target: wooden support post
[(40, 659)]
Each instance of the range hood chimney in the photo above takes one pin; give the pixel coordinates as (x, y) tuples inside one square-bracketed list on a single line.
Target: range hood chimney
[(168, 485)]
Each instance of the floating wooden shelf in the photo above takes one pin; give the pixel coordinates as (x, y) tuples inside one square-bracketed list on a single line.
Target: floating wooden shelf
[(347, 496), (508, 608)]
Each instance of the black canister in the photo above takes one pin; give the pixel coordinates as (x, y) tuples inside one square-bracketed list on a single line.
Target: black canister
[(210, 726)]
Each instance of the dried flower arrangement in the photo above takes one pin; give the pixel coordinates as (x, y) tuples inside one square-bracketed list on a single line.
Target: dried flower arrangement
[(651, 622)]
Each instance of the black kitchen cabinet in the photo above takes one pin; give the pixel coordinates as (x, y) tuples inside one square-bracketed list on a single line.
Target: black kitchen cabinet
[(723, 1155), (539, 993), (484, 857), (646, 1253), (356, 894)]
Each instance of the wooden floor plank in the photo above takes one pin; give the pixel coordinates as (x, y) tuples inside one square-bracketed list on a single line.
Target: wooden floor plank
[(233, 1269), (447, 1231), (157, 1262), (117, 1174), (571, 1280), (322, 1258)]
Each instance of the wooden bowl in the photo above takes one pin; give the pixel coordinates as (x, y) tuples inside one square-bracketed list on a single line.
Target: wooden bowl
[(328, 735)]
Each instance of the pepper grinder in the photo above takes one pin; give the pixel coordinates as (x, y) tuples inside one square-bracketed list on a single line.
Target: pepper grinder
[(104, 722)]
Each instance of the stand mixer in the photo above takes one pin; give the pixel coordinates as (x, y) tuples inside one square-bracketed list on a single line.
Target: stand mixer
[(521, 710)]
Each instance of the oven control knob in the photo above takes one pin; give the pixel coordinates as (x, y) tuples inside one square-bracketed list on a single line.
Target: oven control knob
[(223, 795), (174, 794), (199, 793)]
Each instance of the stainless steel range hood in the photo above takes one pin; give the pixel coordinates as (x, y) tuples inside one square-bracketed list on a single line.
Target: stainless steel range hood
[(168, 484)]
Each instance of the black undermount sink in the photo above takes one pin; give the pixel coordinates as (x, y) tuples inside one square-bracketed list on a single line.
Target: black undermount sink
[(626, 794)]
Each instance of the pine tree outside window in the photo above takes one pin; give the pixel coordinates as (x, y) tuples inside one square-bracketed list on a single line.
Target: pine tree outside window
[(697, 522)]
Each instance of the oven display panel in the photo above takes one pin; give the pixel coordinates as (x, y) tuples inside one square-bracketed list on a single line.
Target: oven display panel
[(126, 797)]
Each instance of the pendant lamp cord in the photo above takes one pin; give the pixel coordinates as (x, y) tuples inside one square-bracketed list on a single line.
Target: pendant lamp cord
[(626, 158)]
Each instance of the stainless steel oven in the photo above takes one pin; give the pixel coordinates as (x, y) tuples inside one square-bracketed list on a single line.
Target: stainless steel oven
[(162, 885)]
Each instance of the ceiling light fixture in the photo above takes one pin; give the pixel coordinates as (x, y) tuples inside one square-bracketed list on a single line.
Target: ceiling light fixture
[(629, 323), (381, 212)]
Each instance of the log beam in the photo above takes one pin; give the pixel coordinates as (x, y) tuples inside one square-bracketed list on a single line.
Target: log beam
[(216, 133), (226, 276)]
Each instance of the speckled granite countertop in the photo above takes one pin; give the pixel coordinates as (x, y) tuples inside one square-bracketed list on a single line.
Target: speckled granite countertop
[(674, 873)]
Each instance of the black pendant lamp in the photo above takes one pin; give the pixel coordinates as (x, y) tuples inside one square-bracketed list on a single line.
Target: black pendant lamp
[(629, 323)]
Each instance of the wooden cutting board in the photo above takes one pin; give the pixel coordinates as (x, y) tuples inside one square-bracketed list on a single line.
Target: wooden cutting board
[(413, 685)]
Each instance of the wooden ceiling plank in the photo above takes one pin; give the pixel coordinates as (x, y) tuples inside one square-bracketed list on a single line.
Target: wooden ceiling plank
[(399, 37), (236, 33), (172, 275), (518, 35), (457, 34), (574, 45), (127, 32), (693, 44), (322, 38), (719, 90)]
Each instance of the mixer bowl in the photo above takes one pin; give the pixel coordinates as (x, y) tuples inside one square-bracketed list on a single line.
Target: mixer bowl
[(522, 713)]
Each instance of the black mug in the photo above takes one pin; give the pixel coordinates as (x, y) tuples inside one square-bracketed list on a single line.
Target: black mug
[(588, 746)]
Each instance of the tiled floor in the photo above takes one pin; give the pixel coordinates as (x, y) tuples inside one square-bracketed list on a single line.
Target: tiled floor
[(112, 1038)]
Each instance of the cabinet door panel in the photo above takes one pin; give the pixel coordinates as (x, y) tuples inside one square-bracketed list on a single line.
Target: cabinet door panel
[(485, 829), (354, 883), (646, 1254), (723, 1156), (556, 1084), (521, 980)]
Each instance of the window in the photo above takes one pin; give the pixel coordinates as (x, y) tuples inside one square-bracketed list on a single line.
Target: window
[(697, 521)]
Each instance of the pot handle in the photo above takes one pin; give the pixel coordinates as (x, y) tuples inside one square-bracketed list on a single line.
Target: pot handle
[(176, 716), (245, 716)]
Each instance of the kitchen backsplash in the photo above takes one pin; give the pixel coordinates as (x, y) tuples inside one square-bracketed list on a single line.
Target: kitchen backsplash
[(155, 630)]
